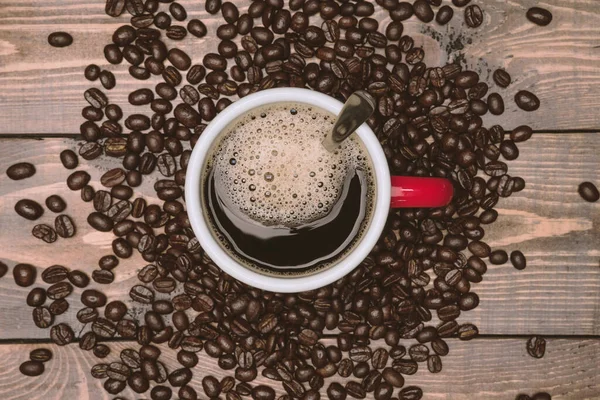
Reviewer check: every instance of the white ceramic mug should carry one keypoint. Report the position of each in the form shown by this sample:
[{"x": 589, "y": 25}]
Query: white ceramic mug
[{"x": 435, "y": 192}]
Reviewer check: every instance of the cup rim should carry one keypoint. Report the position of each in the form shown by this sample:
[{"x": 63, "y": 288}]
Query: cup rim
[{"x": 226, "y": 262}]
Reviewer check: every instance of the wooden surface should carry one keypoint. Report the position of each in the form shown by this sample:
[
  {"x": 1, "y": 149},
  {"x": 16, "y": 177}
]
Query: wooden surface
[
  {"x": 558, "y": 295},
  {"x": 495, "y": 369},
  {"x": 559, "y": 62}
]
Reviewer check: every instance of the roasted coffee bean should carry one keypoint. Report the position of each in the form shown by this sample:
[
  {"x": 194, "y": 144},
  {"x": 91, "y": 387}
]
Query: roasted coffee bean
[
  {"x": 24, "y": 274},
  {"x": 59, "y": 290},
  {"x": 36, "y": 297},
  {"x": 103, "y": 328},
  {"x": 63, "y": 224},
  {"x": 527, "y": 101},
  {"x": 179, "y": 59},
  {"x": 588, "y": 191},
  {"x": 495, "y": 104},
  {"x": 100, "y": 222},
  {"x": 141, "y": 294},
  {"x": 20, "y": 171},
  {"x": 78, "y": 179},
  {"x": 498, "y": 257},
  {"x": 536, "y": 346},
  {"x": 423, "y": 11},
  {"x": 180, "y": 377},
  {"x": 29, "y": 209},
  {"x": 502, "y": 78},
  {"x": 539, "y": 16},
  {"x": 103, "y": 276},
  {"x": 521, "y": 133},
  {"x": 444, "y": 15},
  {"x": 44, "y": 232},
  {"x": 113, "y": 386},
  {"x": 61, "y": 334},
  {"x": 101, "y": 351},
  {"x": 92, "y": 114},
  {"x": 473, "y": 16},
  {"x": 467, "y": 332},
  {"x": 40, "y": 355},
  {"x": 68, "y": 158},
  {"x": 78, "y": 278},
  {"x": 177, "y": 11},
  {"x": 60, "y": 39},
  {"x": 42, "y": 317},
  {"x": 87, "y": 315},
  {"x": 212, "y": 6},
  {"x": 113, "y": 54},
  {"x": 32, "y": 368}
]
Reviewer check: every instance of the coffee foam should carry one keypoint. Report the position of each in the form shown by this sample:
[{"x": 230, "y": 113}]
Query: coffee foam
[{"x": 270, "y": 164}]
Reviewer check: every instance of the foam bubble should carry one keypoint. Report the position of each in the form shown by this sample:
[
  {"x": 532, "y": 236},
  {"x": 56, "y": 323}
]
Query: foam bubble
[{"x": 279, "y": 157}]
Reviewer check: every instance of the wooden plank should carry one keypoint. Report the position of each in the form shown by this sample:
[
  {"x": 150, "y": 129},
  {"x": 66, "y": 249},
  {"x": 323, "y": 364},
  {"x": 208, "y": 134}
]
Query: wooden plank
[
  {"x": 558, "y": 293},
  {"x": 490, "y": 369},
  {"x": 42, "y": 87}
]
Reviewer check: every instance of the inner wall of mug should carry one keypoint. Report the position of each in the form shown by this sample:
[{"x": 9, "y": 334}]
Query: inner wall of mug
[{"x": 204, "y": 232}]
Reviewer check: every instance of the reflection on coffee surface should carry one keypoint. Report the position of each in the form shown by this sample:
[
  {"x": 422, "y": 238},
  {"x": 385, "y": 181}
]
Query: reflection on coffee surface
[{"x": 277, "y": 200}]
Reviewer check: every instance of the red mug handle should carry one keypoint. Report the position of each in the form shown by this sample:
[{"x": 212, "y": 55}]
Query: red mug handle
[{"x": 417, "y": 192}]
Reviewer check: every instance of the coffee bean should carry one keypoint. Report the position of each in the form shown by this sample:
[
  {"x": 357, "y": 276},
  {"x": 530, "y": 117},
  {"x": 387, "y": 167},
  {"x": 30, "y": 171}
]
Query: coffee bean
[
  {"x": 63, "y": 224},
  {"x": 588, "y": 191},
  {"x": 179, "y": 59},
  {"x": 473, "y": 16},
  {"x": 539, "y": 16},
  {"x": 138, "y": 383},
  {"x": 103, "y": 276},
  {"x": 498, "y": 257},
  {"x": 160, "y": 392},
  {"x": 423, "y": 11},
  {"x": 78, "y": 278},
  {"x": 495, "y": 104},
  {"x": 29, "y": 209},
  {"x": 93, "y": 298},
  {"x": 36, "y": 297},
  {"x": 60, "y": 39},
  {"x": 101, "y": 351},
  {"x": 24, "y": 274},
  {"x": 518, "y": 260},
  {"x": 536, "y": 346},
  {"x": 78, "y": 179},
  {"x": 40, "y": 355},
  {"x": 100, "y": 222},
  {"x": 59, "y": 290},
  {"x": 20, "y": 171},
  {"x": 68, "y": 158},
  {"x": 61, "y": 334},
  {"x": 527, "y": 101},
  {"x": 141, "y": 294},
  {"x": 32, "y": 368},
  {"x": 180, "y": 377},
  {"x": 44, "y": 232}
]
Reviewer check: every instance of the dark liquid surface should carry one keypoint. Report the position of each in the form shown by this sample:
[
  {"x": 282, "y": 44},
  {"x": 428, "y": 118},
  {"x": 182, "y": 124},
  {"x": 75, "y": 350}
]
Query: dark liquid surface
[{"x": 293, "y": 250}]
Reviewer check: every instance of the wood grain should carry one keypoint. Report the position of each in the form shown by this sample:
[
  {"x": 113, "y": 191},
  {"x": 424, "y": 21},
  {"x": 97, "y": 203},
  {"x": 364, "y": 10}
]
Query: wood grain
[
  {"x": 494, "y": 369},
  {"x": 42, "y": 87},
  {"x": 558, "y": 293}
]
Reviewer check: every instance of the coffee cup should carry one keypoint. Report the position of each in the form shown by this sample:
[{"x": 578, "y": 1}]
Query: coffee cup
[{"x": 387, "y": 191}]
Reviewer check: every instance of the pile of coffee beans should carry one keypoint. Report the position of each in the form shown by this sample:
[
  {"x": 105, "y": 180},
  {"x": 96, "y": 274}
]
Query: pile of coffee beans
[{"x": 409, "y": 292}]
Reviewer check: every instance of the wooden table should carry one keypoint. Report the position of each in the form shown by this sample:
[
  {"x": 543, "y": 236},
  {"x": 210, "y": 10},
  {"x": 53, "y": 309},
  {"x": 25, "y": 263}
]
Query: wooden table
[{"x": 557, "y": 296}]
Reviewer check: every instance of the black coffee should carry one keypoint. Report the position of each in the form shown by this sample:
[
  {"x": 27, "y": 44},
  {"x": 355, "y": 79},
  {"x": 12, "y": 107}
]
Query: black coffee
[{"x": 277, "y": 200}]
